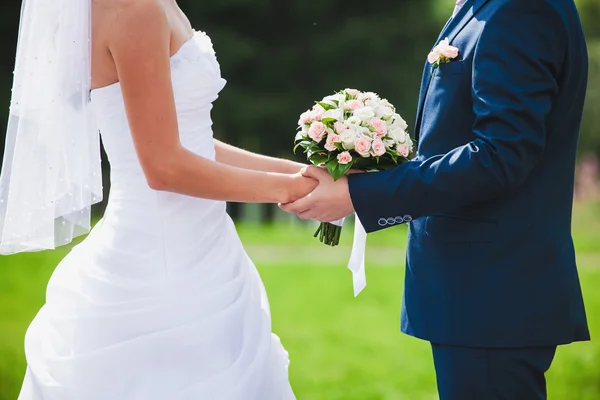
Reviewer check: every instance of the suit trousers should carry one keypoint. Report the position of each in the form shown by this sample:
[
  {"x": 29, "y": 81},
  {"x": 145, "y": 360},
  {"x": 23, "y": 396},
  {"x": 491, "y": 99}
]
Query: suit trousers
[{"x": 466, "y": 373}]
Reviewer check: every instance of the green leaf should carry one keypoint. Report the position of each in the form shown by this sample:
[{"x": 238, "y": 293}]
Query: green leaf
[
  {"x": 315, "y": 147},
  {"x": 319, "y": 158},
  {"x": 303, "y": 143},
  {"x": 328, "y": 121},
  {"x": 331, "y": 166},
  {"x": 338, "y": 170},
  {"x": 342, "y": 170},
  {"x": 326, "y": 106}
]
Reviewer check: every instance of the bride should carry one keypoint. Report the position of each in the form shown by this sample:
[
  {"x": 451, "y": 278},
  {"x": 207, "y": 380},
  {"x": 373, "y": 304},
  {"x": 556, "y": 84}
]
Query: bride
[{"x": 160, "y": 301}]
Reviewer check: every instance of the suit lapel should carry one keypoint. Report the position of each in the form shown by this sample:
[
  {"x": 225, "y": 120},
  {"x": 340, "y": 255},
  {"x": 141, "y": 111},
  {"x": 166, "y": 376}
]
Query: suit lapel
[{"x": 450, "y": 31}]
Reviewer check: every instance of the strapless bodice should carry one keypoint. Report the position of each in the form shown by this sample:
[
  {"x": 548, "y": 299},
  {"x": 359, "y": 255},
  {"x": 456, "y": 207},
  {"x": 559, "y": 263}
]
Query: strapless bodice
[
  {"x": 164, "y": 224},
  {"x": 196, "y": 79}
]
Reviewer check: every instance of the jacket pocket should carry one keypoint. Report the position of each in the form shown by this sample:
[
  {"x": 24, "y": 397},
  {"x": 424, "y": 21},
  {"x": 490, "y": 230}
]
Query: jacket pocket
[{"x": 449, "y": 68}]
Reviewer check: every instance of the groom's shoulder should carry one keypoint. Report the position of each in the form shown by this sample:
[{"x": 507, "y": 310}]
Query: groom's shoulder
[
  {"x": 507, "y": 6},
  {"x": 534, "y": 12}
]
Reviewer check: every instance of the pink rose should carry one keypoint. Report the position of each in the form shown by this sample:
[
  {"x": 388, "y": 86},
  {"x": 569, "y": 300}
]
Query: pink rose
[
  {"x": 450, "y": 52},
  {"x": 305, "y": 118},
  {"x": 339, "y": 127},
  {"x": 378, "y": 148},
  {"x": 344, "y": 158},
  {"x": 433, "y": 56},
  {"x": 403, "y": 149},
  {"x": 443, "y": 52},
  {"x": 353, "y": 105},
  {"x": 317, "y": 112},
  {"x": 317, "y": 131},
  {"x": 362, "y": 145},
  {"x": 332, "y": 138},
  {"x": 380, "y": 126}
]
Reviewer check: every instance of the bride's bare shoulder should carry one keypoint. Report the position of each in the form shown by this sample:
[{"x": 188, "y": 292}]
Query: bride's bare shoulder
[{"x": 132, "y": 13}]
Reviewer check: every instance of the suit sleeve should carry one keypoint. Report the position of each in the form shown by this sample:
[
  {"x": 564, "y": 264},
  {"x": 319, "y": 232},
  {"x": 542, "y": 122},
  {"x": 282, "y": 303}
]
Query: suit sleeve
[{"x": 516, "y": 63}]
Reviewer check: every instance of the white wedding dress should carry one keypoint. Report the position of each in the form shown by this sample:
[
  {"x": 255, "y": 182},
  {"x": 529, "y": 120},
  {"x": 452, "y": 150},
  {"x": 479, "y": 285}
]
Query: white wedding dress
[{"x": 160, "y": 301}]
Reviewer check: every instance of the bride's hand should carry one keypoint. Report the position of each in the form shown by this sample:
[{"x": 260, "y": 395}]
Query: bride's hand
[{"x": 300, "y": 186}]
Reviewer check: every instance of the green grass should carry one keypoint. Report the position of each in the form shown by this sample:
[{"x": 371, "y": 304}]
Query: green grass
[{"x": 340, "y": 347}]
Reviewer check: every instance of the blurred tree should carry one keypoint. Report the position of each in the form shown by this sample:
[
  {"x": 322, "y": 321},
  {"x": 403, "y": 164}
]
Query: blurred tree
[
  {"x": 590, "y": 131},
  {"x": 280, "y": 55}
]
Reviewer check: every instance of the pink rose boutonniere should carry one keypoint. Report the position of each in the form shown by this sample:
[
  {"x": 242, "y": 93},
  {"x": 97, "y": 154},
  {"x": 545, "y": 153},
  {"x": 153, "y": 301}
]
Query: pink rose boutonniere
[{"x": 442, "y": 53}]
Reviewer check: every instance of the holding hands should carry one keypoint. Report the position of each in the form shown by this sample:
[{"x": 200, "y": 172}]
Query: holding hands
[{"x": 329, "y": 201}]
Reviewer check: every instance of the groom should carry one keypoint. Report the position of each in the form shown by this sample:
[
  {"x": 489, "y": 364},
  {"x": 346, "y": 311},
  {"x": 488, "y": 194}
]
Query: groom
[{"x": 491, "y": 279}]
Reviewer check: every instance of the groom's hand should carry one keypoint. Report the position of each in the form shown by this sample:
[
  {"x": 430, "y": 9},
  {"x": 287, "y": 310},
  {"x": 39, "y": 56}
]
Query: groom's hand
[{"x": 330, "y": 201}]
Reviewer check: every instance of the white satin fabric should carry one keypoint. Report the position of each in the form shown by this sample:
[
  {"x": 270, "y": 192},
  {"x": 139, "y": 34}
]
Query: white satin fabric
[{"x": 160, "y": 301}]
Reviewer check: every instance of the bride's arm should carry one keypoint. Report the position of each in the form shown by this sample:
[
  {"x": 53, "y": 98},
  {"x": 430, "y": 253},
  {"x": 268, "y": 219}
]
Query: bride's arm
[
  {"x": 140, "y": 46},
  {"x": 237, "y": 157}
]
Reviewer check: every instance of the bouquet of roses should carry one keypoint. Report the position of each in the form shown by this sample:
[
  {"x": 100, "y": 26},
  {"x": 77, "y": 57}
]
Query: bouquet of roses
[{"x": 352, "y": 130}]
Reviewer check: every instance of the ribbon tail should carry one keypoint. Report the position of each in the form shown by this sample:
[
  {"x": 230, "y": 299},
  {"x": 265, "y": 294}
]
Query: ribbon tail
[
  {"x": 339, "y": 222},
  {"x": 357, "y": 257}
]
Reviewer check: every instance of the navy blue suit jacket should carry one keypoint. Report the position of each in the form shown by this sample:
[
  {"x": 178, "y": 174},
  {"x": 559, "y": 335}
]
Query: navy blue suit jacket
[{"x": 490, "y": 258}]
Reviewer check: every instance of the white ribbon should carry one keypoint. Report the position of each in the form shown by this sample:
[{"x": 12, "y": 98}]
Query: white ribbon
[{"x": 357, "y": 256}]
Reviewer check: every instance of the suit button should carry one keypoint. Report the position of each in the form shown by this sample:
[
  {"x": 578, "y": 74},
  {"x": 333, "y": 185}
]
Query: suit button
[
  {"x": 382, "y": 222},
  {"x": 399, "y": 220},
  {"x": 407, "y": 218},
  {"x": 391, "y": 221}
]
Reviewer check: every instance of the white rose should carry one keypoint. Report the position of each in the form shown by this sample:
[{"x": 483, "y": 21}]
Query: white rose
[
  {"x": 348, "y": 137},
  {"x": 389, "y": 143},
  {"x": 337, "y": 96},
  {"x": 367, "y": 95},
  {"x": 303, "y": 132},
  {"x": 398, "y": 122},
  {"x": 398, "y": 135},
  {"x": 365, "y": 113},
  {"x": 384, "y": 112},
  {"x": 353, "y": 121},
  {"x": 336, "y": 113},
  {"x": 365, "y": 132},
  {"x": 338, "y": 100},
  {"x": 373, "y": 103}
]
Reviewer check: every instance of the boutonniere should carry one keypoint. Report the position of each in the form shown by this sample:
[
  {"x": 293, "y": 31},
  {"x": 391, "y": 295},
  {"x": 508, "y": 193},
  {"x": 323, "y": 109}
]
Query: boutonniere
[{"x": 442, "y": 53}]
